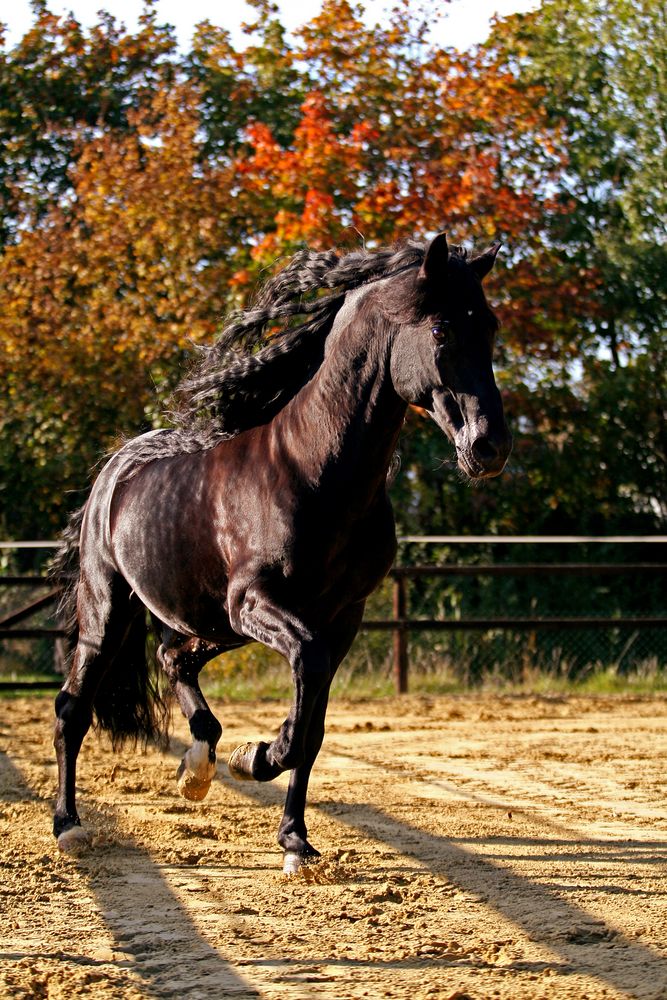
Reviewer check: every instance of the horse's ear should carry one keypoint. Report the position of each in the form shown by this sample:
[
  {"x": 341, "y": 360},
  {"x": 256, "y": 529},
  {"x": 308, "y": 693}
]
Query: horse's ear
[
  {"x": 482, "y": 265},
  {"x": 435, "y": 261}
]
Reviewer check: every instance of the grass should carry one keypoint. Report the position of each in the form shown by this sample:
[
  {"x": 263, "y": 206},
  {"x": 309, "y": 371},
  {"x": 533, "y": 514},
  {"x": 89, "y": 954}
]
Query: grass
[
  {"x": 263, "y": 676},
  {"x": 354, "y": 684}
]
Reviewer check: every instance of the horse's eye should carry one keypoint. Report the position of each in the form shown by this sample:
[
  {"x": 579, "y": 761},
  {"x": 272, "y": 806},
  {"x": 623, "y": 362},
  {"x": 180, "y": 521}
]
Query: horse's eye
[{"x": 442, "y": 331}]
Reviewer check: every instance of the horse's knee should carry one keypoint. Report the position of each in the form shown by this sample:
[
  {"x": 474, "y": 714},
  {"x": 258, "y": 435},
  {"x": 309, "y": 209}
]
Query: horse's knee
[{"x": 312, "y": 664}]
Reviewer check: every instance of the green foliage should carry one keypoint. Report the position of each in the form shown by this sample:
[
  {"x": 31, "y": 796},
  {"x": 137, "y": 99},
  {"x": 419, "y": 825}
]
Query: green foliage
[
  {"x": 603, "y": 67},
  {"x": 261, "y": 83}
]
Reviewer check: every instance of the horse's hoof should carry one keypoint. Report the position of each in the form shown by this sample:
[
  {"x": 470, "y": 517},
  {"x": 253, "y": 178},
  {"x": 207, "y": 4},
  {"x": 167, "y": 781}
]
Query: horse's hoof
[
  {"x": 293, "y": 860},
  {"x": 74, "y": 841},
  {"x": 242, "y": 760},
  {"x": 190, "y": 786},
  {"x": 195, "y": 772}
]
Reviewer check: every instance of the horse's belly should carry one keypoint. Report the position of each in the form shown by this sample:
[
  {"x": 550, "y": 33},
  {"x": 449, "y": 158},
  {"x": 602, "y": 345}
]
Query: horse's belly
[
  {"x": 179, "y": 600},
  {"x": 201, "y": 617},
  {"x": 160, "y": 544}
]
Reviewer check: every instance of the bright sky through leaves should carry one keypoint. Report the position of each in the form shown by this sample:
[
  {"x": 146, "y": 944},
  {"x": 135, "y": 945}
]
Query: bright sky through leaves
[{"x": 467, "y": 21}]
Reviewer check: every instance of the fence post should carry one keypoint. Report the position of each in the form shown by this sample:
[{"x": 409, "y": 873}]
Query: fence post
[{"x": 400, "y": 635}]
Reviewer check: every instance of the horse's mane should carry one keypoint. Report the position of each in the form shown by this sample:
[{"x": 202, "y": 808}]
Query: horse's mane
[
  {"x": 260, "y": 360},
  {"x": 266, "y": 353}
]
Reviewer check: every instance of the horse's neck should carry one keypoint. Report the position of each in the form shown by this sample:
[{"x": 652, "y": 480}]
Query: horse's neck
[{"x": 348, "y": 417}]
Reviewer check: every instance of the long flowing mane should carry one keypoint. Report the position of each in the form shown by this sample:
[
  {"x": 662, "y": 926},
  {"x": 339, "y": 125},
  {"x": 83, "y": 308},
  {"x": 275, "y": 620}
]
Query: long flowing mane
[{"x": 265, "y": 354}]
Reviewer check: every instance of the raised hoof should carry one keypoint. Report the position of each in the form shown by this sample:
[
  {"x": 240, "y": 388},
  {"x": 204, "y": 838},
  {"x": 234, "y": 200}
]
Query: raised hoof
[
  {"x": 74, "y": 841},
  {"x": 196, "y": 772},
  {"x": 293, "y": 860},
  {"x": 190, "y": 785},
  {"x": 242, "y": 760}
]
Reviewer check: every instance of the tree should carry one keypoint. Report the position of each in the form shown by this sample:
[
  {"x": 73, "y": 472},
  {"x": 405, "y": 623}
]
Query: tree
[
  {"x": 102, "y": 300},
  {"x": 261, "y": 83},
  {"x": 145, "y": 192},
  {"x": 61, "y": 86},
  {"x": 602, "y": 65}
]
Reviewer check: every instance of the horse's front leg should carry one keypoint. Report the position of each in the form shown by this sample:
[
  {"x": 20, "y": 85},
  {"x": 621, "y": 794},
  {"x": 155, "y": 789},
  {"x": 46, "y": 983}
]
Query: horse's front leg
[
  {"x": 182, "y": 658},
  {"x": 263, "y": 619},
  {"x": 293, "y": 834}
]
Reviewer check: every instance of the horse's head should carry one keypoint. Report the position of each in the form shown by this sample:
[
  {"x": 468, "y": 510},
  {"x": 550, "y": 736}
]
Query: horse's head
[{"x": 441, "y": 357}]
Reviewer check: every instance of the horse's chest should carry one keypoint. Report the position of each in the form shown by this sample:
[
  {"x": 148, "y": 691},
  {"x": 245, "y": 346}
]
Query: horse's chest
[{"x": 330, "y": 571}]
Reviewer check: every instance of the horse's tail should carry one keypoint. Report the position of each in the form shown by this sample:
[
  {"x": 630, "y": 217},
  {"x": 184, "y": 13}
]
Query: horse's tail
[
  {"x": 64, "y": 571},
  {"x": 129, "y": 702}
]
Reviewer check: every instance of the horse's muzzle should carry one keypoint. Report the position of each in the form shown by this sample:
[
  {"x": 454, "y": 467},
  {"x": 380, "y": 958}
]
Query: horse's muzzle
[{"x": 486, "y": 456}]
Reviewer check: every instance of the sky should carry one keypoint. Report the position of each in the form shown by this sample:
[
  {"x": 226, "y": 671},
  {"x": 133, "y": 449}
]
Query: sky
[{"x": 467, "y": 21}]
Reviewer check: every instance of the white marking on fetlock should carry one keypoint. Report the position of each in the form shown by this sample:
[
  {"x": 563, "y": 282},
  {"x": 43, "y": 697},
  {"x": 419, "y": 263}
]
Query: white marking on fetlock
[
  {"x": 74, "y": 841},
  {"x": 292, "y": 862},
  {"x": 196, "y": 772}
]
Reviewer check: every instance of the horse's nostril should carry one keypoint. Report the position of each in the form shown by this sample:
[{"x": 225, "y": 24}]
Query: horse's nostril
[{"x": 484, "y": 450}]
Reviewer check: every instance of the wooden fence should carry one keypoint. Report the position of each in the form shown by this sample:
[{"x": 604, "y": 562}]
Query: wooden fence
[{"x": 402, "y": 624}]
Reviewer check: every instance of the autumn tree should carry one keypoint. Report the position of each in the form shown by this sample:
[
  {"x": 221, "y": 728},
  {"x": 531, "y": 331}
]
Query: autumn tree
[
  {"x": 102, "y": 301},
  {"x": 145, "y": 191},
  {"x": 60, "y": 87}
]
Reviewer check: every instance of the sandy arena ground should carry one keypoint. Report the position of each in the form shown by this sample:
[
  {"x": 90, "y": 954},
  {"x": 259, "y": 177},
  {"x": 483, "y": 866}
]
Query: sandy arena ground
[{"x": 473, "y": 847}]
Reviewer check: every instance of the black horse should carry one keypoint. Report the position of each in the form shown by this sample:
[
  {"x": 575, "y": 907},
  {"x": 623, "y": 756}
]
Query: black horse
[{"x": 263, "y": 514}]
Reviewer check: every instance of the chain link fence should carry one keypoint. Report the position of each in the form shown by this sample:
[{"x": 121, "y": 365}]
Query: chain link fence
[{"x": 511, "y": 609}]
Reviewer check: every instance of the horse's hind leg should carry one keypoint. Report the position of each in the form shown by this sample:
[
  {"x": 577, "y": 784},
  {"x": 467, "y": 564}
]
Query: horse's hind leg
[
  {"x": 105, "y": 616},
  {"x": 182, "y": 658}
]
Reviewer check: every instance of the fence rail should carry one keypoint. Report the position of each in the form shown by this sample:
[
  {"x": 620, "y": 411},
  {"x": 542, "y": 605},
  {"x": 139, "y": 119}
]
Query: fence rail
[
  {"x": 402, "y": 623},
  {"x": 528, "y": 569}
]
